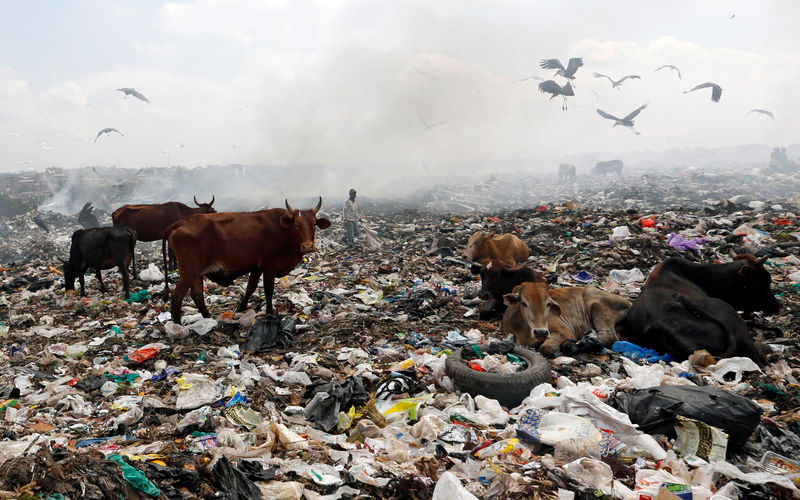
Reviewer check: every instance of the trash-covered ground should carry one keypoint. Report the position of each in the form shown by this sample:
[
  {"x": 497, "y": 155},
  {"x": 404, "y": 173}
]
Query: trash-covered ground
[{"x": 344, "y": 394}]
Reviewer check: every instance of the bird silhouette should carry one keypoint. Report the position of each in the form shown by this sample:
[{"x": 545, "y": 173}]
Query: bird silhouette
[
  {"x": 670, "y": 66},
  {"x": 762, "y": 111},
  {"x": 616, "y": 84},
  {"x": 716, "y": 90},
  {"x": 108, "y": 130},
  {"x": 625, "y": 122},
  {"x": 554, "y": 89},
  {"x": 534, "y": 77},
  {"x": 428, "y": 127},
  {"x": 135, "y": 93},
  {"x": 568, "y": 72}
]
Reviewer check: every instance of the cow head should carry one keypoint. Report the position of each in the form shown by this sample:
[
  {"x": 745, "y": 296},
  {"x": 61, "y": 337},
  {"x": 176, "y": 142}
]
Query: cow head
[
  {"x": 753, "y": 282},
  {"x": 474, "y": 243},
  {"x": 536, "y": 306},
  {"x": 493, "y": 272},
  {"x": 205, "y": 208},
  {"x": 305, "y": 223}
]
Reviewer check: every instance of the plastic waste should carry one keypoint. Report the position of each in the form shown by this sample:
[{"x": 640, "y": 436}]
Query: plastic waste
[
  {"x": 152, "y": 273},
  {"x": 270, "y": 332},
  {"x": 203, "y": 326},
  {"x": 738, "y": 366},
  {"x": 638, "y": 353},
  {"x": 135, "y": 477},
  {"x": 234, "y": 482},
  {"x": 626, "y": 276},
  {"x": 620, "y": 233},
  {"x": 449, "y": 488}
]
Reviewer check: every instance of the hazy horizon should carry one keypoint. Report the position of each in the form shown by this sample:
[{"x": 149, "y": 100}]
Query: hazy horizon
[{"x": 349, "y": 82}]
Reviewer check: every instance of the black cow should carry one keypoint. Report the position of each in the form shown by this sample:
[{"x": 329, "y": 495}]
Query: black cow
[
  {"x": 686, "y": 306},
  {"x": 498, "y": 279},
  {"x": 99, "y": 248},
  {"x": 608, "y": 167}
]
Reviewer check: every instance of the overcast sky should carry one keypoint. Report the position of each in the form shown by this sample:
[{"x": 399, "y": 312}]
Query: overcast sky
[{"x": 342, "y": 82}]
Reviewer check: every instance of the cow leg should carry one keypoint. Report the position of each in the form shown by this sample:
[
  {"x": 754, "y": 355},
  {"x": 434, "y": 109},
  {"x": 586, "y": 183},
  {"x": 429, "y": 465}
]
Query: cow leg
[
  {"x": 269, "y": 288},
  {"x": 82, "y": 281},
  {"x": 252, "y": 283},
  {"x": 123, "y": 268},
  {"x": 177, "y": 298},
  {"x": 197, "y": 297},
  {"x": 99, "y": 276}
]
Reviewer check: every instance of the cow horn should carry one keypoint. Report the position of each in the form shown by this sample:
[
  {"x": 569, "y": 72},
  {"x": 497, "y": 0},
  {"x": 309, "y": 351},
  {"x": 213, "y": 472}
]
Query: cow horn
[
  {"x": 212, "y": 201},
  {"x": 288, "y": 207},
  {"x": 319, "y": 205},
  {"x": 195, "y": 201},
  {"x": 761, "y": 261}
]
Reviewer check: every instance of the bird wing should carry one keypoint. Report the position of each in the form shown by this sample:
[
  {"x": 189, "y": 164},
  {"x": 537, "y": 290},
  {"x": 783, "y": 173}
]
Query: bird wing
[
  {"x": 701, "y": 86},
  {"x": 531, "y": 77},
  {"x": 606, "y": 115},
  {"x": 573, "y": 65},
  {"x": 550, "y": 87},
  {"x": 716, "y": 92},
  {"x": 551, "y": 64},
  {"x": 139, "y": 96},
  {"x": 109, "y": 130},
  {"x": 670, "y": 66},
  {"x": 762, "y": 111},
  {"x": 635, "y": 112},
  {"x": 423, "y": 121},
  {"x": 99, "y": 134},
  {"x": 599, "y": 75},
  {"x": 632, "y": 77}
]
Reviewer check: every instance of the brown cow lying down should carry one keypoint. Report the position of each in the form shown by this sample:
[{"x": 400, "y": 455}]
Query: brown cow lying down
[
  {"x": 544, "y": 319},
  {"x": 505, "y": 247}
]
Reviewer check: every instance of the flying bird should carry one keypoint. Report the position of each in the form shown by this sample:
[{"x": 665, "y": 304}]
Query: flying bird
[
  {"x": 108, "y": 130},
  {"x": 530, "y": 78},
  {"x": 670, "y": 66},
  {"x": 618, "y": 83},
  {"x": 569, "y": 72},
  {"x": 427, "y": 127},
  {"x": 762, "y": 111},
  {"x": 625, "y": 122},
  {"x": 716, "y": 90},
  {"x": 135, "y": 93},
  {"x": 554, "y": 89}
]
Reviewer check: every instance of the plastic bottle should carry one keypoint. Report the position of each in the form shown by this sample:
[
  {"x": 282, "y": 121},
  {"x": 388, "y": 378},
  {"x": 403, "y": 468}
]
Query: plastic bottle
[
  {"x": 99, "y": 360},
  {"x": 504, "y": 446}
]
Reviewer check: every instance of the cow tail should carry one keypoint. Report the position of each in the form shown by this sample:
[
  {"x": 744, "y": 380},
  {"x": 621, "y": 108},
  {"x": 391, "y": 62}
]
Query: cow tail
[
  {"x": 132, "y": 239},
  {"x": 166, "y": 271}
]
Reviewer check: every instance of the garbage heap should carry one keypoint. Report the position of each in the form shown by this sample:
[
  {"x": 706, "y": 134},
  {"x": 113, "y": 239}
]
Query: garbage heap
[{"x": 344, "y": 392}]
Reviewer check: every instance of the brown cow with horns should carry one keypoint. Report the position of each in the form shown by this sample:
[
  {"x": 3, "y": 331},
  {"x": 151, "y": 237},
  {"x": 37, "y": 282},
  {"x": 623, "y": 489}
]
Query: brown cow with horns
[
  {"x": 223, "y": 246},
  {"x": 150, "y": 221}
]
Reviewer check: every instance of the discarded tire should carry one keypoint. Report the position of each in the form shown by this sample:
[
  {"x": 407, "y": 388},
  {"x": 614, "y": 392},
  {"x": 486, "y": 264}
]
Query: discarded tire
[{"x": 507, "y": 388}]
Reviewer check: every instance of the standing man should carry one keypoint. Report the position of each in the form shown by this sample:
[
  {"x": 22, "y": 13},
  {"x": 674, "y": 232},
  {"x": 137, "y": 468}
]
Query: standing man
[{"x": 350, "y": 216}]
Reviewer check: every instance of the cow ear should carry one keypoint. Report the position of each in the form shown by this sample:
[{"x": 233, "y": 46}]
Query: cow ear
[
  {"x": 323, "y": 223},
  {"x": 554, "y": 307},
  {"x": 287, "y": 220},
  {"x": 510, "y": 299},
  {"x": 475, "y": 268}
]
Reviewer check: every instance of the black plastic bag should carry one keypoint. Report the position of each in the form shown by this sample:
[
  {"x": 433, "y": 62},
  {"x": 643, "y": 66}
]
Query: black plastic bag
[
  {"x": 255, "y": 471},
  {"x": 270, "y": 331},
  {"x": 589, "y": 343},
  {"x": 90, "y": 384},
  {"x": 654, "y": 410},
  {"x": 233, "y": 482},
  {"x": 340, "y": 397}
]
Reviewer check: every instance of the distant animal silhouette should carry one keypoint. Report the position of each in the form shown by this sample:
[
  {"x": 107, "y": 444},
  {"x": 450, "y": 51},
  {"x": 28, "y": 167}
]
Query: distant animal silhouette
[
  {"x": 670, "y": 66},
  {"x": 568, "y": 72},
  {"x": 554, "y": 89},
  {"x": 716, "y": 90},
  {"x": 762, "y": 111},
  {"x": 135, "y": 93},
  {"x": 625, "y": 122},
  {"x": 616, "y": 84},
  {"x": 108, "y": 130}
]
